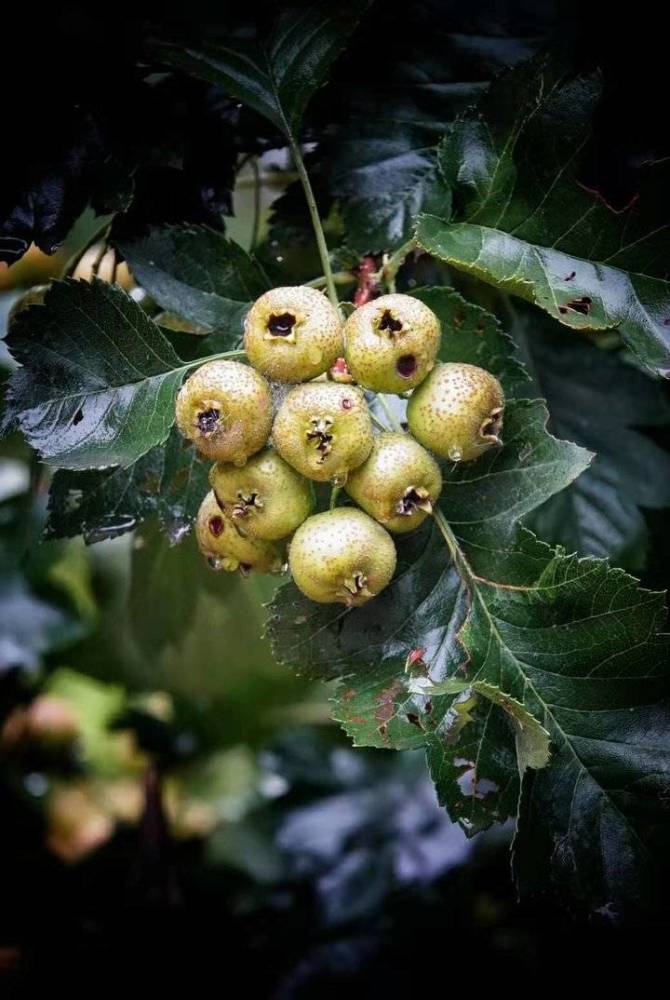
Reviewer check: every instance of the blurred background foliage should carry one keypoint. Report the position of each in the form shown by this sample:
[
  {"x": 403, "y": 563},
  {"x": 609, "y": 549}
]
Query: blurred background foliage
[{"x": 168, "y": 794}]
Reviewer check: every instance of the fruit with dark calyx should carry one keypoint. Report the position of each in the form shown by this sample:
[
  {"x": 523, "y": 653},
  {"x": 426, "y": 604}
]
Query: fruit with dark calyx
[
  {"x": 293, "y": 334},
  {"x": 226, "y": 549},
  {"x": 457, "y": 412},
  {"x": 225, "y": 408},
  {"x": 342, "y": 557},
  {"x": 398, "y": 484},
  {"x": 390, "y": 343},
  {"x": 324, "y": 430},
  {"x": 266, "y": 498}
]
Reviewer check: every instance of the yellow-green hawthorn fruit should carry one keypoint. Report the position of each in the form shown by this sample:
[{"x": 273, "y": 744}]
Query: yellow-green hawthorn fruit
[
  {"x": 323, "y": 430},
  {"x": 341, "y": 557},
  {"x": 390, "y": 343},
  {"x": 225, "y": 548},
  {"x": 266, "y": 498},
  {"x": 293, "y": 334},
  {"x": 457, "y": 412},
  {"x": 398, "y": 484},
  {"x": 225, "y": 408}
]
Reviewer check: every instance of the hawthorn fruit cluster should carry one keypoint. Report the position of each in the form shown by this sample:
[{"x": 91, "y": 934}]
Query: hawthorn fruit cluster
[{"x": 298, "y": 413}]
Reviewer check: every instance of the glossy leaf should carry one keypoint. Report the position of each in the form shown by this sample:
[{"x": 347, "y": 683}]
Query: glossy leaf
[
  {"x": 97, "y": 381},
  {"x": 425, "y": 608},
  {"x": 278, "y": 75},
  {"x": 603, "y": 402},
  {"x": 169, "y": 481},
  {"x": 516, "y": 216},
  {"x": 382, "y": 161},
  {"x": 197, "y": 274},
  {"x": 484, "y": 628}
]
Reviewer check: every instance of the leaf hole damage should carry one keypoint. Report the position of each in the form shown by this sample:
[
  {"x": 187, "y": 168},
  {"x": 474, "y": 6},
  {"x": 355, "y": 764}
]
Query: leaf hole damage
[
  {"x": 581, "y": 306},
  {"x": 208, "y": 421},
  {"x": 571, "y": 276},
  {"x": 78, "y": 417},
  {"x": 281, "y": 325},
  {"x": 413, "y": 718},
  {"x": 474, "y": 787},
  {"x": 389, "y": 324},
  {"x": 406, "y": 365}
]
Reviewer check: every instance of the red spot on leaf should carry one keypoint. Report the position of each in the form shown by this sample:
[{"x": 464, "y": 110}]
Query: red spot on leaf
[{"x": 416, "y": 654}]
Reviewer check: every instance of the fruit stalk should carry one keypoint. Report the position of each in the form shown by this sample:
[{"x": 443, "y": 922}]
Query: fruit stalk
[{"x": 316, "y": 222}]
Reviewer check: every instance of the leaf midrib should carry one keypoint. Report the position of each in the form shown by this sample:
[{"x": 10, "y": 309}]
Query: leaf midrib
[
  {"x": 565, "y": 737},
  {"x": 538, "y": 248}
]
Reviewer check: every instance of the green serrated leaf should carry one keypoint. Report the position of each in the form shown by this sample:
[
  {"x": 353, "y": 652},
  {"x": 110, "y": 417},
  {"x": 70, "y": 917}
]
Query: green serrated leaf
[
  {"x": 532, "y": 739},
  {"x": 97, "y": 381},
  {"x": 277, "y": 75},
  {"x": 382, "y": 160},
  {"x": 522, "y": 221},
  {"x": 198, "y": 274},
  {"x": 600, "y": 400},
  {"x": 482, "y": 617},
  {"x": 169, "y": 482},
  {"x": 426, "y": 605}
]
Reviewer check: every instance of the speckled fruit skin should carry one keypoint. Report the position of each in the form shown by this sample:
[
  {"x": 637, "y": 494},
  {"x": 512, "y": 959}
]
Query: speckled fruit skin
[
  {"x": 224, "y": 547},
  {"x": 342, "y": 557},
  {"x": 398, "y": 484},
  {"x": 457, "y": 412},
  {"x": 293, "y": 334},
  {"x": 266, "y": 498},
  {"x": 323, "y": 430},
  {"x": 241, "y": 398},
  {"x": 382, "y": 337}
]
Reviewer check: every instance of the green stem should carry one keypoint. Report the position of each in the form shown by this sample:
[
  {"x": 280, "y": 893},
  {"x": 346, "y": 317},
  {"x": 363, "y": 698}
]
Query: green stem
[
  {"x": 390, "y": 416},
  {"x": 395, "y": 262},
  {"x": 256, "y": 228},
  {"x": 334, "y": 493},
  {"x": 339, "y": 277},
  {"x": 316, "y": 222},
  {"x": 452, "y": 544}
]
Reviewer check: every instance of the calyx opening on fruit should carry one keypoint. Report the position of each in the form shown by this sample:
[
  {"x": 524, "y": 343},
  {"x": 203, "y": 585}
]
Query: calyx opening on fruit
[
  {"x": 281, "y": 324},
  {"x": 406, "y": 365},
  {"x": 389, "y": 324},
  {"x": 208, "y": 421},
  {"x": 246, "y": 504},
  {"x": 319, "y": 434},
  {"x": 414, "y": 498},
  {"x": 356, "y": 586},
  {"x": 492, "y": 426}
]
